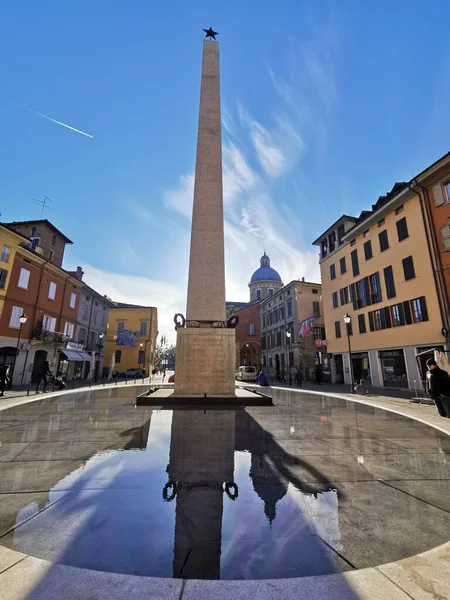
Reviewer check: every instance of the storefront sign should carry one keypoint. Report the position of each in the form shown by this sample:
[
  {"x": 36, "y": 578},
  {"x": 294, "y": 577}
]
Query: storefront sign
[
  {"x": 390, "y": 353},
  {"x": 361, "y": 355},
  {"x": 74, "y": 346}
]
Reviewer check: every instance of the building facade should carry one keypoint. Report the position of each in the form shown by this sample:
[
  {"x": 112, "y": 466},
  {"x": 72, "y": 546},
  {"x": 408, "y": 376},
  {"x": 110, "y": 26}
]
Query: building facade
[
  {"x": 378, "y": 270},
  {"x": 265, "y": 281},
  {"x": 248, "y": 336},
  {"x": 132, "y": 332},
  {"x": 292, "y": 329}
]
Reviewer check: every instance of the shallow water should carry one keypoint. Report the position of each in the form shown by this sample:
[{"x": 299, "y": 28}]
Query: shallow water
[{"x": 313, "y": 485}]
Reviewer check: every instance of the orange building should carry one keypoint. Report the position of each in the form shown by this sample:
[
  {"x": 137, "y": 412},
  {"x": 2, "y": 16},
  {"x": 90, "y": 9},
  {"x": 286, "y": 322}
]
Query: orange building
[{"x": 248, "y": 336}]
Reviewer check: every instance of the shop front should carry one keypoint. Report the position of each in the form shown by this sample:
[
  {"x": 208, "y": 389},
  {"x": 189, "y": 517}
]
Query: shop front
[
  {"x": 71, "y": 361},
  {"x": 393, "y": 368},
  {"x": 361, "y": 367}
]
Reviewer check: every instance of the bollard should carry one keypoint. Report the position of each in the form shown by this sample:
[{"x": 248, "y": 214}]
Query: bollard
[
  {"x": 135, "y": 380},
  {"x": 126, "y": 380}
]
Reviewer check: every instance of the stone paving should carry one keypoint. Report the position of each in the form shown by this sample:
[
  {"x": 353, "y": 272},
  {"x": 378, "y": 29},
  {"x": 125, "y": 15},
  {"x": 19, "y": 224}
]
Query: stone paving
[{"x": 44, "y": 447}]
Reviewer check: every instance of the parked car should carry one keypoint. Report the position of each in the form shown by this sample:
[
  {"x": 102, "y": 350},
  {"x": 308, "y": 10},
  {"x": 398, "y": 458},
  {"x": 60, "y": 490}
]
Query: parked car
[
  {"x": 133, "y": 374},
  {"x": 247, "y": 374}
]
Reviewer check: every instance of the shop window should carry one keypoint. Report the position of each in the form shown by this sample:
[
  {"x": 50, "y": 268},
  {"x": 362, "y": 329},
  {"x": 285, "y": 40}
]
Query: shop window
[
  {"x": 393, "y": 368},
  {"x": 384, "y": 240},
  {"x": 337, "y": 328},
  {"x": 335, "y": 299},
  {"x": 389, "y": 281},
  {"x": 333, "y": 271},
  {"x": 118, "y": 356},
  {"x": 343, "y": 265},
  {"x": 368, "y": 254},
  {"x": 408, "y": 268},
  {"x": 402, "y": 229},
  {"x": 362, "y": 323},
  {"x": 355, "y": 263}
]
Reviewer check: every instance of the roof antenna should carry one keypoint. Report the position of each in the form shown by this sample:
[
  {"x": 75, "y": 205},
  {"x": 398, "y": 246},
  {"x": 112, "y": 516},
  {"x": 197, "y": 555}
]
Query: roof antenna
[{"x": 43, "y": 203}]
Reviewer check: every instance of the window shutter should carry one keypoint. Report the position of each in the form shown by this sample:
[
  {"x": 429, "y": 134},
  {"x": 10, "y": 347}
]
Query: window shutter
[
  {"x": 445, "y": 234},
  {"x": 371, "y": 324},
  {"x": 423, "y": 307},
  {"x": 438, "y": 195},
  {"x": 407, "y": 309},
  {"x": 387, "y": 316}
]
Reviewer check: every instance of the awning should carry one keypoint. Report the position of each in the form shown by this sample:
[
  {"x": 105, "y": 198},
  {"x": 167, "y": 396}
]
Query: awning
[
  {"x": 72, "y": 355},
  {"x": 84, "y": 355}
]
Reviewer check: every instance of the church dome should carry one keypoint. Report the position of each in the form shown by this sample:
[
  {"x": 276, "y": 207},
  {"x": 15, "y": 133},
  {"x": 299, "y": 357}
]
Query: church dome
[{"x": 265, "y": 271}]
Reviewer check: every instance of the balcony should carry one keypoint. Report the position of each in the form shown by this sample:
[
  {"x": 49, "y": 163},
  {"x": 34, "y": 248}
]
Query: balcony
[{"x": 48, "y": 337}]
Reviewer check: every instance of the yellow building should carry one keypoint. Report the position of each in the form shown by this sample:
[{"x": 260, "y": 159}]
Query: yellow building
[
  {"x": 131, "y": 337},
  {"x": 9, "y": 242},
  {"x": 377, "y": 269}
]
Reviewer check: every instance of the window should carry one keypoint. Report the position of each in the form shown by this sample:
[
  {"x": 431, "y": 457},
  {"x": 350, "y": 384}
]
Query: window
[
  {"x": 81, "y": 335},
  {"x": 397, "y": 315},
  {"x": 279, "y": 342},
  {"x": 402, "y": 229},
  {"x": 333, "y": 271},
  {"x": 281, "y": 309},
  {"x": 51, "y": 290},
  {"x": 445, "y": 234},
  {"x": 141, "y": 357},
  {"x": 143, "y": 328},
  {"x": 316, "y": 308},
  {"x": 319, "y": 333},
  {"x": 345, "y": 295},
  {"x": 35, "y": 243},
  {"x": 6, "y": 250},
  {"x": 368, "y": 254},
  {"x": 400, "y": 209},
  {"x": 315, "y": 291},
  {"x": 258, "y": 294},
  {"x": 324, "y": 247},
  {"x": 51, "y": 254},
  {"x": 104, "y": 317},
  {"x": 54, "y": 240},
  {"x": 3, "y": 277},
  {"x": 270, "y": 291},
  {"x": 381, "y": 223},
  {"x": 120, "y": 325},
  {"x": 118, "y": 356},
  {"x": 73, "y": 300},
  {"x": 85, "y": 312},
  {"x": 251, "y": 329},
  {"x": 389, "y": 281},
  {"x": 24, "y": 278},
  {"x": 48, "y": 323},
  {"x": 419, "y": 310},
  {"x": 355, "y": 263},
  {"x": 378, "y": 319},
  {"x": 337, "y": 328},
  {"x": 269, "y": 318},
  {"x": 343, "y": 265},
  {"x": 335, "y": 300},
  {"x": 33, "y": 232},
  {"x": 408, "y": 268},
  {"x": 447, "y": 191},
  {"x": 289, "y": 307},
  {"x": 94, "y": 316},
  {"x": 384, "y": 241},
  {"x": 362, "y": 323},
  {"x": 68, "y": 330},
  {"x": 332, "y": 241},
  {"x": 16, "y": 313},
  {"x": 375, "y": 288},
  {"x": 264, "y": 321}
]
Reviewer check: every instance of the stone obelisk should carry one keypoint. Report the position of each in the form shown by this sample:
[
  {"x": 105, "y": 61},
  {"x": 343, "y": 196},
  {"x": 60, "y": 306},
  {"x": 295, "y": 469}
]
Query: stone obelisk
[{"x": 205, "y": 348}]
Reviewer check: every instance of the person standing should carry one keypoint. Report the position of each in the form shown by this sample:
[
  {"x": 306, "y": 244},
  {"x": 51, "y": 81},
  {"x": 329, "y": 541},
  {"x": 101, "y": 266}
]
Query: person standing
[
  {"x": 44, "y": 375},
  {"x": 283, "y": 375},
  {"x": 438, "y": 385},
  {"x": 318, "y": 375},
  {"x": 3, "y": 379},
  {"x": 298, "y": 377}
]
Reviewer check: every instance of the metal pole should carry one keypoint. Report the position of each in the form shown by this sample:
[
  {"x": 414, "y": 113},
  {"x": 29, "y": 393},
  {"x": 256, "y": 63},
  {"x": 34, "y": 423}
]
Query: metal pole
[
  {"x": 17, "y": 351},
  {"x": 352, "y": 383},
  {"x": 289, "y": 361}
]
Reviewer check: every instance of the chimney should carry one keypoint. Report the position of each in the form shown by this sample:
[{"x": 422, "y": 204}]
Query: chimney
[
  {"x": 79, "y": 274},
  {"x": 303, "y": 279}
]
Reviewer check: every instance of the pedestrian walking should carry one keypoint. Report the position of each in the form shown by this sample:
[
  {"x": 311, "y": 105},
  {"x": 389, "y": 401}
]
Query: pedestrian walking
[
  {"x": 438, "y": 386},
  {"x": 319, "y": 375},
  {"x": 283, "y": 376},
  {"x": 43, "y": 376},
  {"x": 3, "y": 379},
  {"x": 298, "y": 377},
  {"x": 262, "y": 379}
]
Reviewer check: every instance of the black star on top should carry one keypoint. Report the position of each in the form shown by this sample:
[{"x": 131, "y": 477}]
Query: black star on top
[{"x": 210, "y": 33}]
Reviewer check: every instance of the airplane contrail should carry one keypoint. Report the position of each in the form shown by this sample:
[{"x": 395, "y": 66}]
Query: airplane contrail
[{"x": 54, "y": 120}]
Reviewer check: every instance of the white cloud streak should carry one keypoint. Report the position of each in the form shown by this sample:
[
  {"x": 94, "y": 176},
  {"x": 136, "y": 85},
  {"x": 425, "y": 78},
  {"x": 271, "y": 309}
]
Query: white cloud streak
[{"x": 35, "y": 112}]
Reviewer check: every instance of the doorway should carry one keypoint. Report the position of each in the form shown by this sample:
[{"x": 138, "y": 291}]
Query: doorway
[{"x": 38, "y": 365}]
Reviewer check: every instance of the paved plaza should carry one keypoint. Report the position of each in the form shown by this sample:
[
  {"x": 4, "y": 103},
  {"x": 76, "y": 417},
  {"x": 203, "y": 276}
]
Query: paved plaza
[{"x": 305, "y": 499}]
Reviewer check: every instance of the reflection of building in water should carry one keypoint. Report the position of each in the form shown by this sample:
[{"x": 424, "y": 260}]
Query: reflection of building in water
[{"x": 201, "y": 465}]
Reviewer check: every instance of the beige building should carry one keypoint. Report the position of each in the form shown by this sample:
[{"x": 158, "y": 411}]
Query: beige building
[
  {"x": 377, "y": 268},
  {"x": 284, "y": 313}
]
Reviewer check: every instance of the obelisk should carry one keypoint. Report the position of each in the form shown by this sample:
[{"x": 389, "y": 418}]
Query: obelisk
[{"x": 205, "y": 347}]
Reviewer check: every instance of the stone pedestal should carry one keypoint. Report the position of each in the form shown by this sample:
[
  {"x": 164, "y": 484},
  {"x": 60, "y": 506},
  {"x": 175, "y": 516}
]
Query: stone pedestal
[{"x": 205, "y": 362}]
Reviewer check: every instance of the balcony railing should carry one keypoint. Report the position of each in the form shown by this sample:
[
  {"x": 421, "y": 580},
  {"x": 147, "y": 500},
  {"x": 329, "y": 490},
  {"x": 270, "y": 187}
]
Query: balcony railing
[{"x": 49, "y": 337}]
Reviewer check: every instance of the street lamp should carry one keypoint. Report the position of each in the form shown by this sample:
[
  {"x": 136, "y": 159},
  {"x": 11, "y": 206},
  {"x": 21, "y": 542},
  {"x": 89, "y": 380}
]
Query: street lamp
[
  {"x": 347, "y": 321},
  {"x": 22, "y": 320},
  {"x": 288, "y": 335},
  {"x": 99, "y": 349},
  {"x": 141, "y": 345}
]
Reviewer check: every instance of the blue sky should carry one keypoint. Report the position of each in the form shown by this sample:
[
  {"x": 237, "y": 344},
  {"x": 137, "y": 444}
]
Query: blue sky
[{"x": 325, "y": 105}]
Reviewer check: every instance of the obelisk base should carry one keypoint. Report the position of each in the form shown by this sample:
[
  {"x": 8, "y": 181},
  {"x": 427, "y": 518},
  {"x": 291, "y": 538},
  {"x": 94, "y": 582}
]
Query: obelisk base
[{"x": 205, "y": 362}]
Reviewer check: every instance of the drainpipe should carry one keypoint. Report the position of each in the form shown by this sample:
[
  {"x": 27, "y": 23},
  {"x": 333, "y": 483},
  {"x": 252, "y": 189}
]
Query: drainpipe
[{"x": 433, "y": 250}]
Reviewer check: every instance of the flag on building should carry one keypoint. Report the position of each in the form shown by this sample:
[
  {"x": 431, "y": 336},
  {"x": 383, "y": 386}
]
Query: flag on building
[{"x": 306, "y": 327}]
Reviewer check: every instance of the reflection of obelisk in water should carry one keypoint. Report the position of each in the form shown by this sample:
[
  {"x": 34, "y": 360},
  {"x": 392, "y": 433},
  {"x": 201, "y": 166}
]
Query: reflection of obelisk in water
[
  {"x": 205, "y": 348},
  {"x": 201, "y": 462}
]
